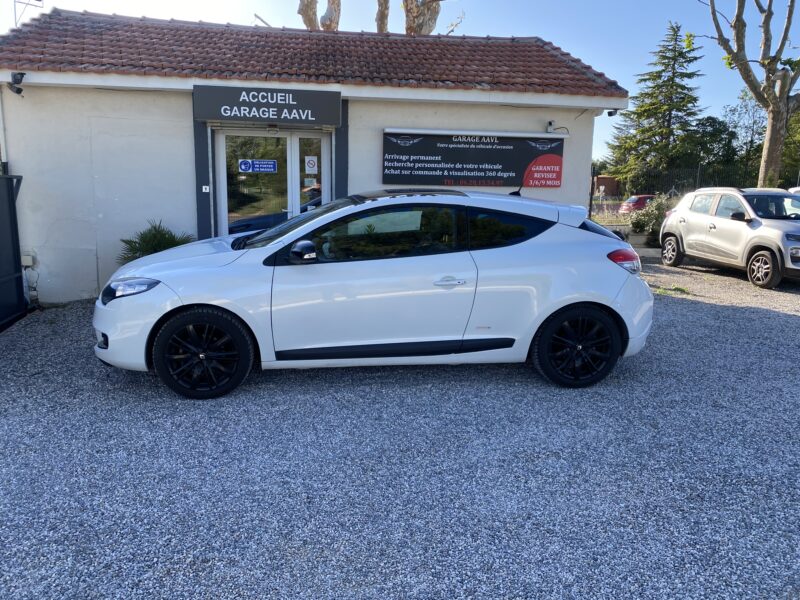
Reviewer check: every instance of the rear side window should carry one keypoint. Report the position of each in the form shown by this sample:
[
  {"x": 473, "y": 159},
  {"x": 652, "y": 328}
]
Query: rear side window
[
  {"x": 495, "y": 229},
  {"x": 702, "y": 203},
  {"x": 589, "y": 225}
]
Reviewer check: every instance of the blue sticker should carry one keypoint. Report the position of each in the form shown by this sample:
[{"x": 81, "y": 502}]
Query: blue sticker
[{"x": 258, "y": 166}]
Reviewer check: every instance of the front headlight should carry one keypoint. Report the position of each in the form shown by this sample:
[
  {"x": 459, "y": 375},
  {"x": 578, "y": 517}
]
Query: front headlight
[
  {"x": 126, "y": 287},
  {"x": 793, "y": 237}
]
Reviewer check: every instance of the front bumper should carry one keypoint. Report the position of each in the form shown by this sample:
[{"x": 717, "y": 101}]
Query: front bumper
[{"x": 123, "y": 325}]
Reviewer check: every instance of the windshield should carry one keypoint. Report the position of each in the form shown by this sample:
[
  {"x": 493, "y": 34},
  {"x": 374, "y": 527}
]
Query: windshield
[
  {"x": 775, "y": 206},
  {"x": 263, "y": 238}
]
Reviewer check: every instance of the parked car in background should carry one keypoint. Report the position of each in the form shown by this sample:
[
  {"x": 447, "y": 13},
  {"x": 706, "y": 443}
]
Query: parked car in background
[
  {"x": 756, "y": 229},
  {"x": 389, "y": 278},
  {"x": 635, "y": 203}
]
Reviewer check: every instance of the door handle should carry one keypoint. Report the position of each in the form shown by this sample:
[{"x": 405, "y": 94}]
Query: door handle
[
  {"x": 681, "y": 220},
  {"x": 449, "y": 281},
  {"x": 712, "y": 226}
]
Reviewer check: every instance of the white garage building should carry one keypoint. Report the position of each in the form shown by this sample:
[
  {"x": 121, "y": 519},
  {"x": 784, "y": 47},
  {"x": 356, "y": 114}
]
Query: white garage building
[{"x": 206, "y": 127}]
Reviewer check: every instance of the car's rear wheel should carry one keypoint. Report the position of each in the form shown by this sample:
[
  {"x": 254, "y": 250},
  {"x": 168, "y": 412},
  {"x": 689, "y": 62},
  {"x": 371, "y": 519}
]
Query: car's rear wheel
[
  {"x": 671, "y": 254},
  {"x": 763, "y": 270},
  {"x": 577, "y": 346},
  {"x": 203, "y": 353}
]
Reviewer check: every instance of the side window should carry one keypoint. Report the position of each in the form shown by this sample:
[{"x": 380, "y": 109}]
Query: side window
[
  {"x": 727, "y": 206},
  {"x": 702, "y": 203},
  {"x": 494, "y": 229},
  {"x": 392, "y": 232}
]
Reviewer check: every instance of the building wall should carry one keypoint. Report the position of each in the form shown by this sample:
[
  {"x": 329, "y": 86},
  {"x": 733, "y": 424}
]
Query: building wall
[
  {"x": 368, "y": 119},
  {"x": 96, "y": 165}
]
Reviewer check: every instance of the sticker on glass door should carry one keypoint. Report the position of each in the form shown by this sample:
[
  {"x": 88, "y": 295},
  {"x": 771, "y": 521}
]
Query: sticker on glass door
[{"x": 256, "y": 182}]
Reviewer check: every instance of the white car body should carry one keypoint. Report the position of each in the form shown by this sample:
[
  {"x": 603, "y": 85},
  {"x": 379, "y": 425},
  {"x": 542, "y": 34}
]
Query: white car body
[{"x": 293, "y": 311}]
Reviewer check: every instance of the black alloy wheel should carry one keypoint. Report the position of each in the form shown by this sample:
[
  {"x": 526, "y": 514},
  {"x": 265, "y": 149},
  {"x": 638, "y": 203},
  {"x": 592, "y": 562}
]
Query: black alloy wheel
[
  {"x": 577, "y": 346},
  {"x": 671, "y": 254},
  {"x": 203, "y": 353}
]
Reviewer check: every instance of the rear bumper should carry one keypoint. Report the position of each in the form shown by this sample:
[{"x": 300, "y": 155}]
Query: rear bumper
[
  {"x": 126, "y": 323},
  {"x": 634, "y": 304}
]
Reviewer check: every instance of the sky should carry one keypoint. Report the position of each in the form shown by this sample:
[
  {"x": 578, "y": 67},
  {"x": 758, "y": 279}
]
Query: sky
[{"x": 613, "y": 36}]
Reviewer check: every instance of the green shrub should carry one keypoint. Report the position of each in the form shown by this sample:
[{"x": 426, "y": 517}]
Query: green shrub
[
  {"x": 154, "y": 239},
  {"x": 650, "y": 218}
]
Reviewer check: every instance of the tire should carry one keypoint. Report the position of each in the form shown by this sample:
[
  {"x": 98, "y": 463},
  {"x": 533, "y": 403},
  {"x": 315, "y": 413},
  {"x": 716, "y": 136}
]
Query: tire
[
  {"x": 671, "y": 254},
  {"x": 203, "y": 353},
  {"x": 577, "y": 346},
  {"x": 763, "y": 270}
]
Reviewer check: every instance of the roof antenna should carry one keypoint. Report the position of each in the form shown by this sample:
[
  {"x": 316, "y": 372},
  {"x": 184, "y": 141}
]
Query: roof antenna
[
  {"x": 262, "y": 20},
  {"x": 519, "y": 189}
]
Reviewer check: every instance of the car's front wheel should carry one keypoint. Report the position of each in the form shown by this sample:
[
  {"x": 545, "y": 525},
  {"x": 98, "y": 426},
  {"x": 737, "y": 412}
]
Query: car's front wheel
[
  {"x": 203, "y": 352},
  {"x": 763, "y": 270},
  {"x": 577, "y": 346},
  {"x": 671, "y": 254}
]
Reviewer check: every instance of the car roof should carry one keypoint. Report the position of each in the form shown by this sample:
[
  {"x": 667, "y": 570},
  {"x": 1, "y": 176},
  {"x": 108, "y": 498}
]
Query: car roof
[{"x": 544, "y": 209}]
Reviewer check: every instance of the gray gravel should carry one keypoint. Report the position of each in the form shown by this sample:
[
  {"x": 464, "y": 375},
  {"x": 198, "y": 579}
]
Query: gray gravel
[{"x": 679, "y": 476}]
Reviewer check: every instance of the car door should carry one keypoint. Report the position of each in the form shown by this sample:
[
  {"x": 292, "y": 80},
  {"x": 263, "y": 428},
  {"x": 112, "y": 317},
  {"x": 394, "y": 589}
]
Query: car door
[
  {"x": 726, "y": 238},
  {"x": 391, "y": 281},
  {"x": 694, "y": 224}
]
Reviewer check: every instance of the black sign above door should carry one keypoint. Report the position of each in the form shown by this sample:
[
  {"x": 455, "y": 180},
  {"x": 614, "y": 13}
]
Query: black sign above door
[
  {"x": 266, "y": 105},
  {"x": 472, "y": 159}
]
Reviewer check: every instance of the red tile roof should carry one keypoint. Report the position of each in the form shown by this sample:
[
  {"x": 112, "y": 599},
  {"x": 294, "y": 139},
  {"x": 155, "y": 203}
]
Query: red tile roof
[{"x": 93, "y": 43}]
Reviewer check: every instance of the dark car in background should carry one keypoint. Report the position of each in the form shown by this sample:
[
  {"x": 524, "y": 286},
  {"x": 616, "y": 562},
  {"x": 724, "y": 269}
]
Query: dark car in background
[{"x": 635, "y": 203}]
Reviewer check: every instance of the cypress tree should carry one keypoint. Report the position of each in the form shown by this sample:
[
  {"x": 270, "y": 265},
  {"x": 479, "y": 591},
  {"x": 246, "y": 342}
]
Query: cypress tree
[{"x": 653, "y": 133}]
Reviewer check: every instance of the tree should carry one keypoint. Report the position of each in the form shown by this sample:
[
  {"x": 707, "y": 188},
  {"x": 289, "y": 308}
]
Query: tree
[
  {"x": 710, "y": 142},
  {"x": 748, "y": 120},
  {"x": 653, "y": 134},
  {"x": 773, "y": 89},
  {"x": 329, "y": 21},
  {"x": 421, "y": 16},
  {"x": 791, "y": 153}
]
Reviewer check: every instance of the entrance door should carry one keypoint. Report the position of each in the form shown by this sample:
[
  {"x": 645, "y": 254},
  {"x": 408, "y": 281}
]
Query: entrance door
[{"x": 265, "y": 178}]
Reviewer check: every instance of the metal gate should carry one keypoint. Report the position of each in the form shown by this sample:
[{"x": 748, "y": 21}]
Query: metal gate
[{"x": 12, "y": 294}]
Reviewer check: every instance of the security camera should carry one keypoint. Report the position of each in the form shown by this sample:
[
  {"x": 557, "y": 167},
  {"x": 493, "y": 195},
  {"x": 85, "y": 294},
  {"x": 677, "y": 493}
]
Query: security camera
[
  {"x": 14, "y": 88},
  {"x": 612, "y": 113},
  {"x": 17, "y": 77}
]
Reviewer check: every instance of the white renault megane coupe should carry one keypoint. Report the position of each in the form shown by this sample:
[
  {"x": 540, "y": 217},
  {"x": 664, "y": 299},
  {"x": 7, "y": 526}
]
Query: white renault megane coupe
[{"x": 397, "y": 277}]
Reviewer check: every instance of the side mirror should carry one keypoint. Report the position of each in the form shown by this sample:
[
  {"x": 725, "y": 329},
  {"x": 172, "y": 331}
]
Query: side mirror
[
  {"x": 740, "y": 216},
  {"x": 303, "y": 252}
]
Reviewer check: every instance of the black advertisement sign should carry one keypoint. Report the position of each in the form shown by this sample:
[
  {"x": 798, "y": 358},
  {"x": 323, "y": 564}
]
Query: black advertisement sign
[
  {"x": 266, "y": 105},
  {"x": 472, "y": 160}
]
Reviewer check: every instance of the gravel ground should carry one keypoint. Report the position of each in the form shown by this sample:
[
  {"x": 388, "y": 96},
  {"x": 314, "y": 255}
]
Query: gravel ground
[{"x": 678, "y": 476}]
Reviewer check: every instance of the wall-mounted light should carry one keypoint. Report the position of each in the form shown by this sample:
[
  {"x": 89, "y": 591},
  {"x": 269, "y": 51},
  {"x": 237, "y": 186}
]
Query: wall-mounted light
[{"x": 612, "y": 113}]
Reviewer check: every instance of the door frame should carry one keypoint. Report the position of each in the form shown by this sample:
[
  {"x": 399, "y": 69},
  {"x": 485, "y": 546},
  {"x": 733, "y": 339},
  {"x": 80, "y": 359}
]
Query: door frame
[{"x": 293, "y": 168}]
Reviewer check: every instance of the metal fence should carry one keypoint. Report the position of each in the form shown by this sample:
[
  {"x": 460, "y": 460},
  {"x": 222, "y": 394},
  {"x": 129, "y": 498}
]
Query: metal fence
[
  {"x": 676, "y": 182},
  {"x": 12, "y": 294}
]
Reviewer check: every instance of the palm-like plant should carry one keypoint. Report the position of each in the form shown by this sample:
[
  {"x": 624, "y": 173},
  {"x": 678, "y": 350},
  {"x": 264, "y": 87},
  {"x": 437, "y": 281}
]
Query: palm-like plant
[{"x": 155, "y": 238}]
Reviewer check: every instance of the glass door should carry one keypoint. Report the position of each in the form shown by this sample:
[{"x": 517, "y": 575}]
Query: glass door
[{"x": 263, "y": 179}]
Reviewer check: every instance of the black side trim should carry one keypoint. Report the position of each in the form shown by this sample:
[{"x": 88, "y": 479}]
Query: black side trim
[{"x": 394, "y": 350}]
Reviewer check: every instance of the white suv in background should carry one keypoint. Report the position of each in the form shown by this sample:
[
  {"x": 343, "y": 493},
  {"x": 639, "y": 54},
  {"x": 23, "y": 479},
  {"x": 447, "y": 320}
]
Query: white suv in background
[
  {"x": 757, "y": 229},
  {"x": 391, "y": 278}
]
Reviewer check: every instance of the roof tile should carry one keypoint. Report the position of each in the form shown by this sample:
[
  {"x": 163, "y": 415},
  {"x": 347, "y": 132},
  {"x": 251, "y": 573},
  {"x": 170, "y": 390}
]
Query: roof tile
[{"x": 87, "y": 42}]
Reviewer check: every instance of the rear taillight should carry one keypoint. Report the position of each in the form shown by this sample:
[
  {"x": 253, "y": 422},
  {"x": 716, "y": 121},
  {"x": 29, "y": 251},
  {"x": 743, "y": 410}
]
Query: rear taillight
[{"x": 627, "y": 259}]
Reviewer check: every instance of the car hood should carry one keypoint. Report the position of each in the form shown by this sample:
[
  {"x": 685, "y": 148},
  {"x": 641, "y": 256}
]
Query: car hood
[
  {"x": 214, "y": 252},
  {"x": 782, "y": 225}
]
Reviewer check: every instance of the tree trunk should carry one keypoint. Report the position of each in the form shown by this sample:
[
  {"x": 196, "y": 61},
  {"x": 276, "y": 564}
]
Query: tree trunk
[
  {"x": 421, "y": 16},
  {"x": 330, "y": 20},
  {"x": 777, "y": 122},
  {"x": 382, "y": 16},
  {"x": 308, "y": 11}
]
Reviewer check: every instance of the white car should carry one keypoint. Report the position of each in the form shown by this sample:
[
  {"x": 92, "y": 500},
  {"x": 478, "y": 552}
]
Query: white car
[{"x": 397, "y": 277}]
